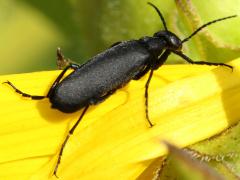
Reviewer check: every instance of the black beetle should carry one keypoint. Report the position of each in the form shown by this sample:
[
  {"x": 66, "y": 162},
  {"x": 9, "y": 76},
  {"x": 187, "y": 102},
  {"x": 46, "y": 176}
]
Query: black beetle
[{"x": 98, "y": 78}]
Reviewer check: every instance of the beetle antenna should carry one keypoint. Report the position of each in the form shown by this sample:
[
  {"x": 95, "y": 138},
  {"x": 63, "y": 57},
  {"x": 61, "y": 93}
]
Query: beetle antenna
[
  {"x": 160, "y": 14},
  {"x": 207, "y": 24}
]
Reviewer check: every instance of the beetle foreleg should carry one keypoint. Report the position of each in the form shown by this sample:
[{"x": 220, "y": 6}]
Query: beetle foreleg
[{"x": 201, "y": 62}]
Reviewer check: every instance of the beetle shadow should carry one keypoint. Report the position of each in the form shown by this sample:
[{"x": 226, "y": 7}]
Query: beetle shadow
[
  {"x": 53, "y": 115},
  {"x": 48, "y": 113}
]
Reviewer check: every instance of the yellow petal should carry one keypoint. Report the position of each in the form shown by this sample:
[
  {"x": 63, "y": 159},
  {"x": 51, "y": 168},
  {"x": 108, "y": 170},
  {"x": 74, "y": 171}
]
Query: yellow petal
[{"x": 187, "y": 104}]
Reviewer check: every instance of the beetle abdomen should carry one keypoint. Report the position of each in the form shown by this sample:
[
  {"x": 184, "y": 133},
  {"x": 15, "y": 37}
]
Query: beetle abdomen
[{"x": 103, "y": 73}]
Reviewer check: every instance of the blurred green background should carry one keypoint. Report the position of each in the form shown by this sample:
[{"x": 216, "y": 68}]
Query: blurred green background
[{"x": 31, "y": 30}]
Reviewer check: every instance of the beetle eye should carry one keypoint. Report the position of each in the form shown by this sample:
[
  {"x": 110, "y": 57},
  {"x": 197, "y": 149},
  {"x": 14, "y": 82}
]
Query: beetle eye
[{"x": 175, "y": 43}]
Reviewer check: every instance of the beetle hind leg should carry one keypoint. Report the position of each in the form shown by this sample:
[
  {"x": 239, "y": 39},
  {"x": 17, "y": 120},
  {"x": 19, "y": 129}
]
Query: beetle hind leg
[
  {"x": 34, "y": 97},
  {"x": 70, "y": 133},
  {"x": 55, "y": 83}
]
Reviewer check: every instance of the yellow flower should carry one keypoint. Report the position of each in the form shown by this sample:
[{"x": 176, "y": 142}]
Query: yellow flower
[{"x": 187, "y": 103}]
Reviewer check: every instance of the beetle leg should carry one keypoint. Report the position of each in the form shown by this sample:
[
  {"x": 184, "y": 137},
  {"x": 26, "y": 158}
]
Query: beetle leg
[
  {"x": 146, "y": 96},
  {"x": 201, "y": 62},
  {"x": 34, "y": 97},
  {"x": 155, "y": 66},
  {"x": 71, "y": 66},
  {"x": 161, "y": 59},
  {"x": 66, "y": 140},
  {"x": 37, "y": 97}
]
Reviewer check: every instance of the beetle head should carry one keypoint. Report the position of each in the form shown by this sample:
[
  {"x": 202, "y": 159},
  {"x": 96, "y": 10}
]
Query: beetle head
[{"x": 173, "y": 42}]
